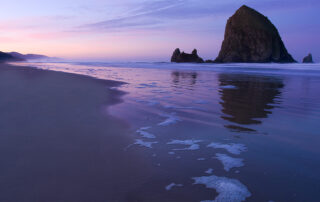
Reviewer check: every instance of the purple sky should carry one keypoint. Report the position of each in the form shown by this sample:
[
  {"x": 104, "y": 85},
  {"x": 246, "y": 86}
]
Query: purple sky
[{"x": 145, "y": 30}]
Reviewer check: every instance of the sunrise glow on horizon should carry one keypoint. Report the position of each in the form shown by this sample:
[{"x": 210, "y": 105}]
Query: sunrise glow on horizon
[{"x": 145, "y": 30}]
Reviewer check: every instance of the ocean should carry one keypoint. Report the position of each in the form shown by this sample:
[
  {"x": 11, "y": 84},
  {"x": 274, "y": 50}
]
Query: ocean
[{"x": 223, "y": 132}]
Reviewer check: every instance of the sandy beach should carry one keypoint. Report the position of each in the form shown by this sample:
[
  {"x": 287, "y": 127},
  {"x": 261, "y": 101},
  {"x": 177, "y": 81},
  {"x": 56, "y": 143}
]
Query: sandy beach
[
  {"x": 159, "y": 132},
  {"x": 57, "y": 143},
  {"x": 159, "y": 101}
]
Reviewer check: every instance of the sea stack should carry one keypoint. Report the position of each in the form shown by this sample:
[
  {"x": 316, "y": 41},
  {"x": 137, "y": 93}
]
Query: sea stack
[
  {"x": 179, "y": 57},
  {"x": 250, "y": 37},
  {"x": 308, "y": 59}
]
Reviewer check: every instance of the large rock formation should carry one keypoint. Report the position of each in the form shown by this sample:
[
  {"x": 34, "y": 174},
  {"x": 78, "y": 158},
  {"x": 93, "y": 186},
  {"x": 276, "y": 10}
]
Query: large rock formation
[
  {"x": 308, "y": 59},
  {"x": 179, "y": 57},
  {"x": 251, "y": 37}
]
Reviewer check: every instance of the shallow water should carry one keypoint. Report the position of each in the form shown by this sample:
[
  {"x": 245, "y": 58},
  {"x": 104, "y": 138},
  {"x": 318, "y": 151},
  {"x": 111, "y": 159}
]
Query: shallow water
[{"x": 226, "y": 132}]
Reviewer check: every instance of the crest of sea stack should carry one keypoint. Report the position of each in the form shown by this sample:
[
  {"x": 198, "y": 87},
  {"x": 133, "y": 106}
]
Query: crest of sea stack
[
  {"x": 179, "y": 57},
  {"x": 251, "y": 37}
]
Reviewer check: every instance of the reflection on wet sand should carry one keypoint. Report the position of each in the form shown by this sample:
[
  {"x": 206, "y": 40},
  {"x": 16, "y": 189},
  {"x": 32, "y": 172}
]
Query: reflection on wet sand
[
  {"x": 180, "y": 79},
  {"x": 246, "y": 99}
]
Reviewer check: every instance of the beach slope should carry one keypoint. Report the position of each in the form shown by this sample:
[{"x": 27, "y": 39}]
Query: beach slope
[{"x": 57, "y": 143}]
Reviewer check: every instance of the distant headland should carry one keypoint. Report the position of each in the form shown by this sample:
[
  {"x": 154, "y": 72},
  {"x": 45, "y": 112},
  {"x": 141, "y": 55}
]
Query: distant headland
[
  {"x": 249, "y": 37},
  {"x": 15, "y": 57}
]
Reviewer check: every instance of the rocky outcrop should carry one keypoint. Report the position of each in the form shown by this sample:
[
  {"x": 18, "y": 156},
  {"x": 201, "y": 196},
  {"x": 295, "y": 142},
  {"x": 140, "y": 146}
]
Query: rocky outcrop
[
  {"x": 308, "y": 59},
  {"x": 251, "y": 37},
  {"x": 209, "y": 61},
  {"x": 179, "y": 57}
]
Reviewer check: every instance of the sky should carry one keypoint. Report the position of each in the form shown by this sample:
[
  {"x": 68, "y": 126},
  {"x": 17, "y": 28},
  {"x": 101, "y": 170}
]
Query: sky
[{"x": 145, "y": 30}]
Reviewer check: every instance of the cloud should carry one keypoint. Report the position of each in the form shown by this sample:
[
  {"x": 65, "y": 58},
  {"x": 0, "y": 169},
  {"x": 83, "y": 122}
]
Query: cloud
[
  {"x": 123, "y": 22},
  {"x": 161, "y": 13},
  {"x": 144, "y": 15},
  {"x": 34, "y": 23},
  {"x": 166, "y": 13}
]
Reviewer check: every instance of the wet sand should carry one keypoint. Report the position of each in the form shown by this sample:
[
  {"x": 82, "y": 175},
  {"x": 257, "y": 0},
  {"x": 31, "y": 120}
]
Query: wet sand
[
  {"x": 57, "y": 143},
  {"x": 184, "y": 133}
]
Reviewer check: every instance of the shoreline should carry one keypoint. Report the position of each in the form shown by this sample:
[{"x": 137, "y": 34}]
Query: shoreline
[
  {"x": 112, "y": 83},
  {"x": 116, "y": 97},
  {"x": 57, "y": 144}
]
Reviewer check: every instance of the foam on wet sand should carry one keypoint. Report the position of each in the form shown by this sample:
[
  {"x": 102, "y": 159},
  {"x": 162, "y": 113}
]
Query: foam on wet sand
[
  {"x": 146, "y": 134},
  {"x": 170, "y": 186},
  {"x": 193, "y": 144},
  {"x": 228, "y": 189},
  {"x": 209, "y": 171},
  {"x": 232, "y": 148},
  {"x": 229, "y": 162},
  {"x": 171, "y": 119},
  {"x": 144, "y": 144}
]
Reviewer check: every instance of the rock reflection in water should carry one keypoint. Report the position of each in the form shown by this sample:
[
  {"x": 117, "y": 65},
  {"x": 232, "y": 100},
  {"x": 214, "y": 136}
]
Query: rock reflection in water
[
  {"x": 180, "y": 79},
  {"x": 246, "y": 99}
]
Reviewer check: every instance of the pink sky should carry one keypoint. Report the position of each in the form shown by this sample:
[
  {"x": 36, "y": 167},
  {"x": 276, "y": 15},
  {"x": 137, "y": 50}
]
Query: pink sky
[{"x": 144, "y": 30}]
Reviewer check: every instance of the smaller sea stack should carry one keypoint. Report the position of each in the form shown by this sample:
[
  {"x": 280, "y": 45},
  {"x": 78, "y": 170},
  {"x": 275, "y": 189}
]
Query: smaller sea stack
[
  {"x": 308, "y": 59},
  {"x": 183, "y": 57},
  {"x": 250, "y": 37}
]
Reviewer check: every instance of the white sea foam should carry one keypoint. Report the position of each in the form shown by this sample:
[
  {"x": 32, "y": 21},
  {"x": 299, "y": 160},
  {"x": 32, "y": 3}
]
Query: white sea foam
[
  {"x": 145, "y": 128},
  {"x": 171, "y": 153},
  {"x": 233, "y": 148},
  {"x": 144, "y": 144},
  {"x": 145, "y": 134},
  {"x": 209, "y": 171},
  {"x": 201, "y": 159},
  {"x": 170, "y": 186},
  {"x": 230, "y": 190},
  {"x": 109, "y": 70},
  {"x": 171, "y": 119},
  {"x": 229, "y": 162},
  {"x": 191, "y": 143}
]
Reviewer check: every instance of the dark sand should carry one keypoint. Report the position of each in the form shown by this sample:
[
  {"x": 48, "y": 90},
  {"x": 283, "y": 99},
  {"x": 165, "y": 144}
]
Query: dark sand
[{"x": 58, "y": 144}]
